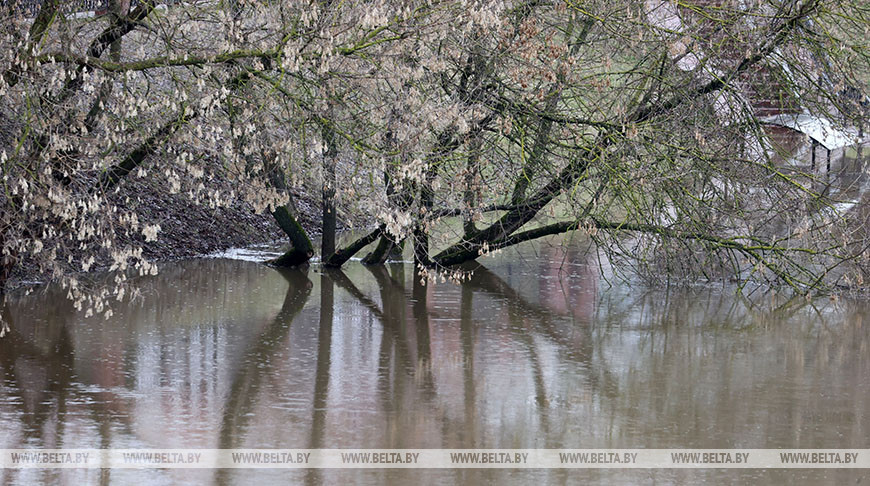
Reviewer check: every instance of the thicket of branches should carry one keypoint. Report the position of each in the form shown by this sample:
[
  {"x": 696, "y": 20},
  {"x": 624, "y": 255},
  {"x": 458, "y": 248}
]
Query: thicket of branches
[{"x": 457, "y": 127}]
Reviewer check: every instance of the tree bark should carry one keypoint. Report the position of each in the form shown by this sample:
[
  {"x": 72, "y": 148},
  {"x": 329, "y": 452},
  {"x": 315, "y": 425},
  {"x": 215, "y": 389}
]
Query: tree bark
[
  {"x": 117, "y": 172},
  {"x": 115, "y": 55},
  {"x": 469, "y": 195},
  {"x": 387, "y": 245},
  {"x": 386, "y": 248},
  {"x": 48, "y": 11},
  {"x": 446, "y": 144},
  {"x": 341, "y": 256},
  {"x": 538, "y": 156},
  {"x": 301, "y": 248},
  {"x": 514, "y": 219},
  {"x": 327, "y": 242}
]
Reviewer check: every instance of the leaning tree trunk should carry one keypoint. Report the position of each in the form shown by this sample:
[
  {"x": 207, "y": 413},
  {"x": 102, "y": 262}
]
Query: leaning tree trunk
[
  {"x": 301, "y": 249},
  {"x": 386, "y": 248}
]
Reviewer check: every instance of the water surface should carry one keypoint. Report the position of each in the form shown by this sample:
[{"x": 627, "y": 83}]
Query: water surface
[{"x": 534, "y": 351}]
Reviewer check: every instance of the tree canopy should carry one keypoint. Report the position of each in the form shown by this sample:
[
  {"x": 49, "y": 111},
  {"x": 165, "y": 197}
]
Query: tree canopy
[{"x": 454, "y": 127}]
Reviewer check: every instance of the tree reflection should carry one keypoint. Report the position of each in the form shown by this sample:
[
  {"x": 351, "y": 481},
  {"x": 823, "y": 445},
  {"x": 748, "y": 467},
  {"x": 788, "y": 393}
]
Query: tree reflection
[
  {"x": 253, "y": 368},
  {"x": 498, "y": 361}
]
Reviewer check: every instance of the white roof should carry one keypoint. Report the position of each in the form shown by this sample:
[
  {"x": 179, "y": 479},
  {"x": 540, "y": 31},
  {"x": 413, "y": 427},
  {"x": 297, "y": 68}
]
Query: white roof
[{"x": 819, "y": 129}]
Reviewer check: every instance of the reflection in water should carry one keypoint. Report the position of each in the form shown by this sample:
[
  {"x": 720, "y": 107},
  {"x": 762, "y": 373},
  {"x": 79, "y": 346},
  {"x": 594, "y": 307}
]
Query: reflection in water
[{"x": 535, "y": 354}]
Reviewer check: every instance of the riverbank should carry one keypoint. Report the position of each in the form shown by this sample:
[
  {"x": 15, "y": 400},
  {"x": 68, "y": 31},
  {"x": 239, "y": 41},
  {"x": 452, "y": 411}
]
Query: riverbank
[{"x": 187, "y": 229}]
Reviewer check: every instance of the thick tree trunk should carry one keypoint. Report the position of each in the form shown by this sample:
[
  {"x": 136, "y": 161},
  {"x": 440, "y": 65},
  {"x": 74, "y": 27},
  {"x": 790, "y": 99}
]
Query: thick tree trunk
[
  {"x": 469, "y": 195},
  {"x": 447, "y": 143},
  {"x": 421, "y": 233},
  {"x": 387, "y": 246},
  {"x": 301, "y": 248},
  {"x": 327, "y": 242}
]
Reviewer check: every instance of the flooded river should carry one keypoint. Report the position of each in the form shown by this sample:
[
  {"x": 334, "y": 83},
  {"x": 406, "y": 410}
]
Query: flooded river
[{"x": 535, "y": 351}]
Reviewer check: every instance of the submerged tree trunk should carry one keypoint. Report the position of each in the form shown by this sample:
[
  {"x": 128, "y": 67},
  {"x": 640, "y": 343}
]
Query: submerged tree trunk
[
  {"x": 387, "y": 245},
  {"x": 386, "y": 248},
  {"x": 469, "y": 195},
  {"x": 301, "y": 249},
  {"x": 330, "y": 156},
  {"x": 340, "y": 257}
]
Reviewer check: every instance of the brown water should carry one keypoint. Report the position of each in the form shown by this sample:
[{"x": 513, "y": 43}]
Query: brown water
[{"x": 535, "y": 351}]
